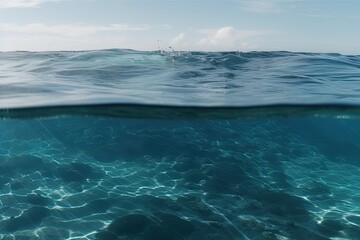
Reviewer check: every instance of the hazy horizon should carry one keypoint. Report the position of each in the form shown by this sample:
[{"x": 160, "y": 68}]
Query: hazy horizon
[{"x": 234, "y": 25}]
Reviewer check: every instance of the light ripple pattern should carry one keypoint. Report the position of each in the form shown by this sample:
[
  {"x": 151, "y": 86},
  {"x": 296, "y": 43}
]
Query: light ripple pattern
[{"x": 127, "y": 178}]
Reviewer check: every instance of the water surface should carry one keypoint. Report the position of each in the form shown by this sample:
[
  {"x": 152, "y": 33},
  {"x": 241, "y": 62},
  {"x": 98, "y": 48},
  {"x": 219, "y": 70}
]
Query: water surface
[
  {"x": 120, "y": 144},
  {"x": 30, "y": 79}
]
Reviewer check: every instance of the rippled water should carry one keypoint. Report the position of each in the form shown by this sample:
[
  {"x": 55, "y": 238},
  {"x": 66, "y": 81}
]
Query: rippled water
[
  {"x": 119, "y": 144},
  {"x": 179, "y": 78}
]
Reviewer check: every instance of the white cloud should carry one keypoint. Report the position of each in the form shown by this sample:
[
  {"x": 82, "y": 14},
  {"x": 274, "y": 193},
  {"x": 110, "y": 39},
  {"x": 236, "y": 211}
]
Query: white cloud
[
  {"x": 225, "y": 35},
  {"x": 68, "y": 30},
  {"x": 178, "y": 39},
  {"x": 44, "y": 37},
  {"x": 227, "y": 38},
  {"x": 23, "y": 3}
]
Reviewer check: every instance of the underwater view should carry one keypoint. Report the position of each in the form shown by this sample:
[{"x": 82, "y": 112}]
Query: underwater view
[{"x": 122, "y": 144}]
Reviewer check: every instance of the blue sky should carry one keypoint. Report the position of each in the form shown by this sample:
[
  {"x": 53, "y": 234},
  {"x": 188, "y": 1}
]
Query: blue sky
[{"x": 204, "y": 25}]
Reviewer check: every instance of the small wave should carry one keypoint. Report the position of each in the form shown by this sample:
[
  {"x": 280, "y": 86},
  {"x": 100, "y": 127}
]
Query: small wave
[{"x": 189, "y": 79}]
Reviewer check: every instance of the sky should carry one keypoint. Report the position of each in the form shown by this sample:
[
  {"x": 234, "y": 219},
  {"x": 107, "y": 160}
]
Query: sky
[{"x": 184, "y": 25}]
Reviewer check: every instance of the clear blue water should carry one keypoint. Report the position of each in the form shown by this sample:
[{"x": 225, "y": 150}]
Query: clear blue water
[{"x": 120, "y": 144}]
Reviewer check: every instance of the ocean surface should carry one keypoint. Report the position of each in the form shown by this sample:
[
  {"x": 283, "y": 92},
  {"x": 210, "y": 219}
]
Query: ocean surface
[{"x": 129, "y": 145}]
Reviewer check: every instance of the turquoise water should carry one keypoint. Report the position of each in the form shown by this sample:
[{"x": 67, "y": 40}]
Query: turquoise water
[{"x": 120, "y": 144}]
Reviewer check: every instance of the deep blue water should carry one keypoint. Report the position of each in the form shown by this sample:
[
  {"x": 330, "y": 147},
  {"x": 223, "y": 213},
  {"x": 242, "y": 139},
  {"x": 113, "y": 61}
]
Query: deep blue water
[{"x": 120, "y": 144}]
